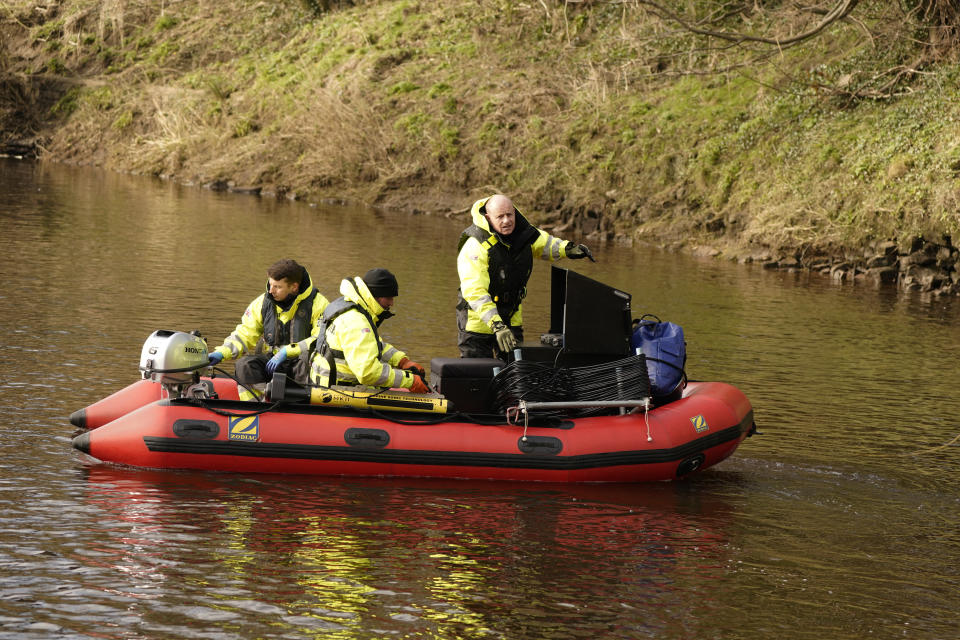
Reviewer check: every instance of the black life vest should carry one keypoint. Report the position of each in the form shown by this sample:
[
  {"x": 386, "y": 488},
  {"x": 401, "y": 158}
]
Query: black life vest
[
  {"x": 508, "y": 266},
  {"x": 278, "y": 334}
]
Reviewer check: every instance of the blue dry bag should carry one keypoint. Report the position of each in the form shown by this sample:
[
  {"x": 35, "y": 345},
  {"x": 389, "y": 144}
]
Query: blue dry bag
[{"x": 666, "y": 352}]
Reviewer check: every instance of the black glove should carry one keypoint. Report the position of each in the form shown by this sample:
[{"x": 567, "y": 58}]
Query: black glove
[{"x": 578, "y": 251}]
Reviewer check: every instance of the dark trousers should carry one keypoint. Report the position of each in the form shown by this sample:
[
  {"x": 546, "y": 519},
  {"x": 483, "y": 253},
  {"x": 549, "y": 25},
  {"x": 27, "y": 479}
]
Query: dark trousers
[
  {"x": 253, "y": 369},
  {"x": 481, "y": 345}
]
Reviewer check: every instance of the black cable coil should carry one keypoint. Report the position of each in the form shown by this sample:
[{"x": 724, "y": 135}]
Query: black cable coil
[{"x": 624, "y": 379}]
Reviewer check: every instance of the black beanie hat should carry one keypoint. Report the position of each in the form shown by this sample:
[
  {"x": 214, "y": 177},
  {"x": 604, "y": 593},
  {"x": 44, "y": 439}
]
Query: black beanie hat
[{"x": 381, "y": 283}]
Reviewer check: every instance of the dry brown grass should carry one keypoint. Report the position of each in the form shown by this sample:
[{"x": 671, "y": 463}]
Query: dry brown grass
[{"x": 596, "y": 116}]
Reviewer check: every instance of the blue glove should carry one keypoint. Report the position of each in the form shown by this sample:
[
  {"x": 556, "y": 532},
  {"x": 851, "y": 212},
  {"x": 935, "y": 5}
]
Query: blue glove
[
  {"x": 215, "y": 357},
  {"x": 275, "y": 361}
]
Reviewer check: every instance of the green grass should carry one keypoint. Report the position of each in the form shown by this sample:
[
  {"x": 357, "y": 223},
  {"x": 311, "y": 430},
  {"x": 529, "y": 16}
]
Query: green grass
[{"x": 573, "y": 108}]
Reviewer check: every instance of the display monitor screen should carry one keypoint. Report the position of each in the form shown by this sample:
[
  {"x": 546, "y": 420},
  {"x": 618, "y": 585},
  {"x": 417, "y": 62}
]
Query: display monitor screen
[{"x": 592, "y": 317}]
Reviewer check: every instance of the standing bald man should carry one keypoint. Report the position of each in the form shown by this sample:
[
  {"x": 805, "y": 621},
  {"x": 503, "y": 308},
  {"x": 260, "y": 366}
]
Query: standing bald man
[{"x": 494, "y": 262}]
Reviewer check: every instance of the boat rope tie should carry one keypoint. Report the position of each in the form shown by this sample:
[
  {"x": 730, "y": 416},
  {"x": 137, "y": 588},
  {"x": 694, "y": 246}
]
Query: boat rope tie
[{"x": 646, "y": 418}]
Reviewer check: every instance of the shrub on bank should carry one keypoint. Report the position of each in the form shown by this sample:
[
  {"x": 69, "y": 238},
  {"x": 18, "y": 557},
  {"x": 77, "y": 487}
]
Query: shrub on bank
[{"x": 613, "y": 119}]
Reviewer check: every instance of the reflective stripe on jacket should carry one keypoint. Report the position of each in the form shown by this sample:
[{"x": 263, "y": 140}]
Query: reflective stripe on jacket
[
  {"x": 264, "y": 324},
  {"x": 494, "y": 274},
  {"x": 360, "y": 354}
]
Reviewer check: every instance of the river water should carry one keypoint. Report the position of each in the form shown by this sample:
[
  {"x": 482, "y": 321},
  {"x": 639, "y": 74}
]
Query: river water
[{"x": 839, "y": 521}]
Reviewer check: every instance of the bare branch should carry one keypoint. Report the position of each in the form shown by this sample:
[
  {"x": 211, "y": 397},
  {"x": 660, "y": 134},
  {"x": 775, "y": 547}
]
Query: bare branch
[{"x": 840, "y": 11}]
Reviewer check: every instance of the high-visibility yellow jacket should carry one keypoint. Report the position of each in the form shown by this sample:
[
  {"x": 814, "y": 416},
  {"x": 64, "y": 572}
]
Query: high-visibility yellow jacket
[
  {"x": 494, "y": 269},
  {"x": 266, "y": 327},
  {"x": 352, "y": 340}
]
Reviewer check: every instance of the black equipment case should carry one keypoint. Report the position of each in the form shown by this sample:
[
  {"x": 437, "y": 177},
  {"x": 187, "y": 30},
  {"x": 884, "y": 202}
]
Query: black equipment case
[{"x": 465, "y": 382}]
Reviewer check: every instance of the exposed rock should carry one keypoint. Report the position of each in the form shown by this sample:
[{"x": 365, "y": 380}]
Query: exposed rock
[
  {"x": 705, "y": 251},
  {"x": 18, "y": 148},
  {"x": 881, "y": 275},
  {"x": 253, "y": 191},
  {"x": 885, "y": 260},
  {"x": 927, "y": 278},
  {"x": 887, "y": 248},
  {"x": 217, "y": 185},
  {"x": 928, "y": 266},
  {"x": 917, "y": 258},
  {"x": 842, "y": 272}
]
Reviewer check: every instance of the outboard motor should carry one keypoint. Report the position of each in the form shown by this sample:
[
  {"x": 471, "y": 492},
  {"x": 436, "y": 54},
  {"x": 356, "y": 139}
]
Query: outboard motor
[{"x": 174, "y": 359}]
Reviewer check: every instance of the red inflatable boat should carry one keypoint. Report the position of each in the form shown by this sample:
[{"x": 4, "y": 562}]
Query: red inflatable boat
[
  {"x": 138, "y": 394},
  {"x": 576, "y": 407},
  {"x": 696, "y": 432}
]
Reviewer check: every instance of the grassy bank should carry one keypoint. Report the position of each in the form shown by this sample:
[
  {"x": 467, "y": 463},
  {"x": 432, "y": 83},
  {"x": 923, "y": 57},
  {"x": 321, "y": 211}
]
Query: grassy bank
[{"x": 597, "y": 117}]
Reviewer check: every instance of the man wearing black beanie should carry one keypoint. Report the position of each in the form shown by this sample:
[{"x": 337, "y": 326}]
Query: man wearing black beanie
[
  {"x": 350, "y": 350},
  {"x": 381, "y": 283}
]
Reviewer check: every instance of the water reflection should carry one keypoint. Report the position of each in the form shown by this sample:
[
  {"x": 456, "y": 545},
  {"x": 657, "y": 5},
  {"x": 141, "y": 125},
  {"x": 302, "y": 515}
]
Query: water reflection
[
  {"x": 450, "y": 559},
  {"x": 838, "y": 521}
]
